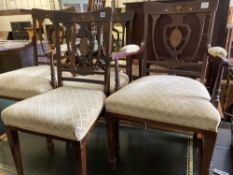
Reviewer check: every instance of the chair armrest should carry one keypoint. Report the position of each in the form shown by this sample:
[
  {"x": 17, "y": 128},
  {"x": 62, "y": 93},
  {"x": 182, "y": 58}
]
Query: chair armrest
[
  {"x": 128, "y": 50},
  {"x": 219, "y": 54}
]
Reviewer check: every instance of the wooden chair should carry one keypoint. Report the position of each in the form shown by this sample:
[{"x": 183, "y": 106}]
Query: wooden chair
[
  {"x": 67, "y": 113},
  {"x": 26, "y": 82},
  {"x": 181, "y": 35}
]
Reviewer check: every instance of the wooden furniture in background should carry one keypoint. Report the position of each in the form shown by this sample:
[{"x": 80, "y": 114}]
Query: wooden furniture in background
[
  {"x": 177, "y": 36},
  {"x": 229, "y": 39},
  {"x": 15, "y": 55}
]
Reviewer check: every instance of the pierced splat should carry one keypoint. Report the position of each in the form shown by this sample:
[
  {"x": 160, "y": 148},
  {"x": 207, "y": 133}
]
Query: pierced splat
[
  {"x": 178, "y": 34},
  {"x": 87, "y": 43}
]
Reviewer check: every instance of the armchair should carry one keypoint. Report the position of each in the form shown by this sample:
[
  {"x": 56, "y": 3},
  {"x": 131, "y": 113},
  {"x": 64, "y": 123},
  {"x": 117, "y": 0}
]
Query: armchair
[
  {"x": 178, "y": 102},
  {"x": 67, "y": 113}
]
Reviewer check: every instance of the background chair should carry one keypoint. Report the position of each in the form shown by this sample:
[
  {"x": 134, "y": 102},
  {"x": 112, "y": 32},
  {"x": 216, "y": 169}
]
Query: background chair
[
  {"x": 67, "y": 113},
  {"x": 30, "y": 81},
  {"x": 181, "y": 34}
]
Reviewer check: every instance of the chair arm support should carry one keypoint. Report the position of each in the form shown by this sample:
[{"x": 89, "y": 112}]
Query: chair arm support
[
  {"x": 125, "y": 51},
  {"x": 52, "y": 69},
  {"x": 219, "y": 54}
]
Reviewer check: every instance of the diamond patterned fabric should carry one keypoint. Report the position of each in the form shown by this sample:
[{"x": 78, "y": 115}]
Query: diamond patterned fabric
[
  {"x": 26, "y": 82},
  {"x": 66, "y": 112},
  {"x": 123, "y": 81},
  {"x": 169, "y": 99}
]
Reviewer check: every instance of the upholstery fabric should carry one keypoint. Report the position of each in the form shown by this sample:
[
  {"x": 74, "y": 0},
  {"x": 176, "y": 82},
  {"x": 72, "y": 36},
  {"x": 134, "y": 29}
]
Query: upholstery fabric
[
  {"x": 169, "y": 99},
  {"x": 123, "y": 80},
  {"x": 66, "y": 112},
  {"x": 131, "y": 48},
  {"x": 26, "y": 82},
  {"x": 217, "y": 52}
]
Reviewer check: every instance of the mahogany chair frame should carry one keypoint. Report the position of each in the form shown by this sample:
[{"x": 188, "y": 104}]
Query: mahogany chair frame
[
  {"x": 102, "y": 18},
  {"x": 176, "y": 65}
]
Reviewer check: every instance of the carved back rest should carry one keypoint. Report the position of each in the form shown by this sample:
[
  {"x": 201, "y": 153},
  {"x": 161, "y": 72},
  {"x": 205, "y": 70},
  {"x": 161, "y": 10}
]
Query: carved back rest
[
  {"x": 121, "y": 22},
  {"x": 88, "y": 37},
  {"x": 178, "y": 34},
  {"x": 95, "y": 4}
]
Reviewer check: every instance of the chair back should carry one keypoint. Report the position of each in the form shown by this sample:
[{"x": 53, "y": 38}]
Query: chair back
[
  {"x": 177, "y": 36},
  {"x": 88, "y": 38}
]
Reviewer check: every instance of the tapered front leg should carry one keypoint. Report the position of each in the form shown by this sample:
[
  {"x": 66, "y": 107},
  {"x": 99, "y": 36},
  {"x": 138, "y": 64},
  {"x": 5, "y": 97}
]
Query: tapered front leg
[
  {"x": 80, "y": 158},
  {"x": 112, "y": 137},
  {"x": 13, "y": 139},
  {"x": 207, "y": 152}
]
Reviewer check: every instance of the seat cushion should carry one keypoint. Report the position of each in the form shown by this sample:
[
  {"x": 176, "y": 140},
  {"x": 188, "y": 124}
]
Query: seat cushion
[
  {"x": 123, "y": 80},
  {"x": 26, "y": 82},
  {"x": 66, "y": 112},
  {"x": 168, "y": 99}
]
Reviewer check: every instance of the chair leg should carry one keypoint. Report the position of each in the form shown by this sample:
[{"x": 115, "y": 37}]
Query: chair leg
[
  {"x": 50, "y": 144},
  {"x": 117, "y": 141},
  {"x": 13, "y": 139},
  {"x": 80, "y": 158},
  {"x": 206, "y": 154},
  {"x": 111, "y": 133},
  {"x": 129, "y": 65}
]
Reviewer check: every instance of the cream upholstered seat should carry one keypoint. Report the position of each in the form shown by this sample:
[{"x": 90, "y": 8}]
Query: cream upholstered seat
[
  {"x": 123, "y": 81},
  {"x": 168, "y": 99},
  {"x": 26, "y": 82},
  {"x": 66, "y": 112}
]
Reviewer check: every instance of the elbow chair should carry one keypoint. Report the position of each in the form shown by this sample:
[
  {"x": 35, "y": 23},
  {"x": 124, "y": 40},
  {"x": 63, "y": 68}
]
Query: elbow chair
[{"x": 180, "y": 36}]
